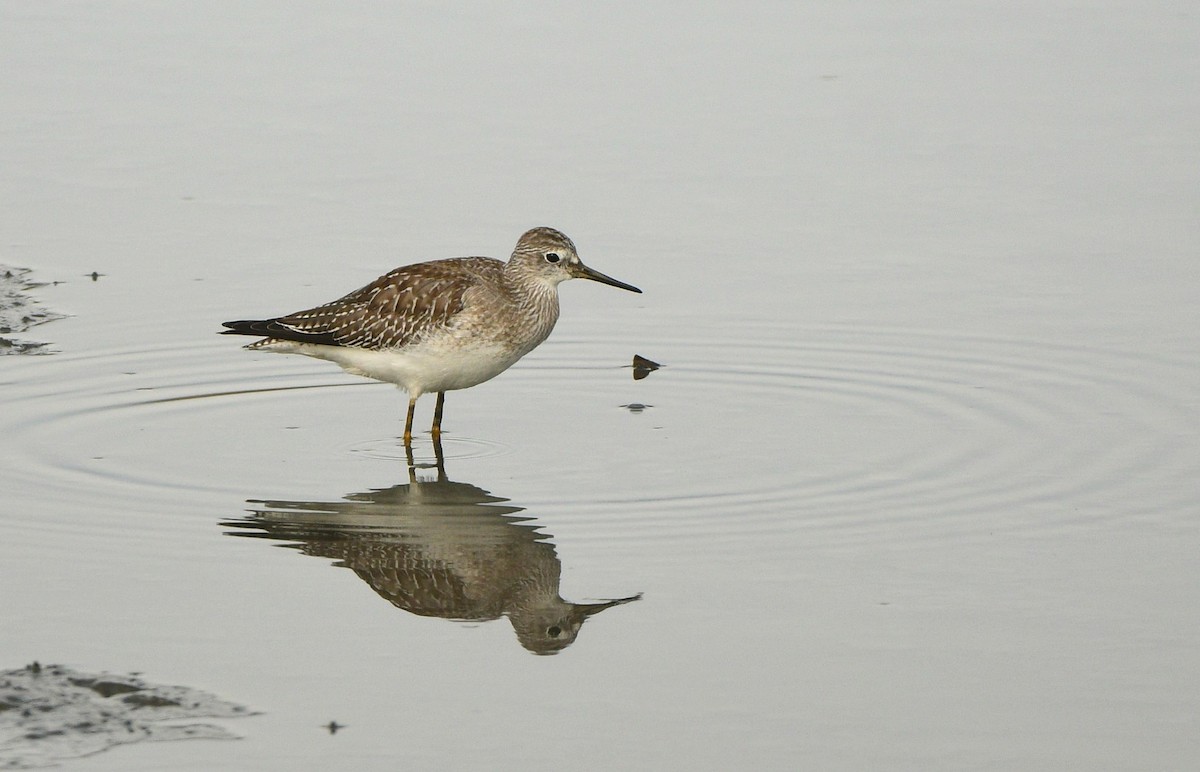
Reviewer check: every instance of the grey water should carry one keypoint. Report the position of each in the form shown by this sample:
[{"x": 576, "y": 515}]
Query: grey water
[{"x": 916, "y": 486}]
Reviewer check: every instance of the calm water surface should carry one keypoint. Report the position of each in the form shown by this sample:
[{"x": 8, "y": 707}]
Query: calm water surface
[{"x": 915, "y": 489}]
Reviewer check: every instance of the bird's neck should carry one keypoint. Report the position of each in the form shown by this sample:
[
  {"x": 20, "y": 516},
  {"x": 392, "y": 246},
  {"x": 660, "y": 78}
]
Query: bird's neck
[{"x": 537, "y": 298}]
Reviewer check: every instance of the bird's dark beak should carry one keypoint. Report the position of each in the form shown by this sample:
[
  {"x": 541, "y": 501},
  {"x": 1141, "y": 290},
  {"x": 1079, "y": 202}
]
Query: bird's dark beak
[
  {"x": 588, "y": 609},
  {"x": 581, "y": 271}
]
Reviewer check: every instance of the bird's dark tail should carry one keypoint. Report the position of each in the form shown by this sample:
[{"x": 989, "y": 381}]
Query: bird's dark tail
[
  {"x": 259, "y": 327},
  {"x": 273, "y": 328}
]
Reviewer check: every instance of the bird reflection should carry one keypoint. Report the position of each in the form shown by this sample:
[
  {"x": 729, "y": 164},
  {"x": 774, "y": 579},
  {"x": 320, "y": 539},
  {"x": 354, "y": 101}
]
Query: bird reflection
[{"x": 437, "y": 548}]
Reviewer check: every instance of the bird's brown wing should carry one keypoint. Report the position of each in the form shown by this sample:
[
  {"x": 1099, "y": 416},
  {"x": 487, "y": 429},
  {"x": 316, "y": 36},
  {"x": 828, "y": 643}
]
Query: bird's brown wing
[{"x": 393, "y": 311}]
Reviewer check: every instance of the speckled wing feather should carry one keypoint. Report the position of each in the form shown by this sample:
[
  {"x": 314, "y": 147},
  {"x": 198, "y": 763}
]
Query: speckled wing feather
[
  {"x": 393, "y": 311},
  {"x": 408, "y": 578}
]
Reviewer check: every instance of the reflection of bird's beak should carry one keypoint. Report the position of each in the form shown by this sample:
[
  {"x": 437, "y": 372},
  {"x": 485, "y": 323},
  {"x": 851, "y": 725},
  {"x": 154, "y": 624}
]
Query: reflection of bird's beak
[
  {"x": 589, "y": 609},
  {"x": 581, "y": 271}
]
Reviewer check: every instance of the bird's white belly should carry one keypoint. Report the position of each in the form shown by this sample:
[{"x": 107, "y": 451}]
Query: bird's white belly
[{"x": 417, "y": 369}]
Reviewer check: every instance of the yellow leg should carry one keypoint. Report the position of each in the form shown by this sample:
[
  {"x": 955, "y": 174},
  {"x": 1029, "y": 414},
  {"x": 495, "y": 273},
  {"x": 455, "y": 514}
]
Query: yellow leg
[
  {"x": 436, "y": 431},
  {"x": 412, "y": 407}
]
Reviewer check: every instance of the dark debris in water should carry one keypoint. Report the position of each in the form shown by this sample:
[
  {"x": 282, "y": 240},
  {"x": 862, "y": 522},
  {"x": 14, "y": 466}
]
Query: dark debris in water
[
  {"x": 53, "y": 713},
  {"x": 19, "y": 311},
  {"x": 643, "y": 367}
]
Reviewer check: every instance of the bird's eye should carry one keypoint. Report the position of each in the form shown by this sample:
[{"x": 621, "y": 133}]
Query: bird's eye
[
  {"x": 554, "y": 631},
  {"x": 553, "y": 257}
]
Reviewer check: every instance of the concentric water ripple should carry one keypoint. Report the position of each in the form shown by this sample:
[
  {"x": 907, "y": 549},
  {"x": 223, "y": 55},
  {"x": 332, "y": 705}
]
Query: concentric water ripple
[
  {"x": 454, "y": 448},
  {"x": 920, "y": 430},
  {"x": 852, "y": 431}
]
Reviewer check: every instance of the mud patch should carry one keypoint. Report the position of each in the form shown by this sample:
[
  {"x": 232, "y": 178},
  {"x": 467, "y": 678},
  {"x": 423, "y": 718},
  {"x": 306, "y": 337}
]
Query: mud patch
[
  {"x": 19, "y": 311},
  {"x": 53, "y": 713}
]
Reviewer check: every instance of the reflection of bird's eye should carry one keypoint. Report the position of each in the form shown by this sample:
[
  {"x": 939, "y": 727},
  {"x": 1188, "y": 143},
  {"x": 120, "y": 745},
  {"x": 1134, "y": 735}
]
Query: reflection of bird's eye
[
  {"x": 552, "y": 257},
  {"x": 554, "y": 632}
]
